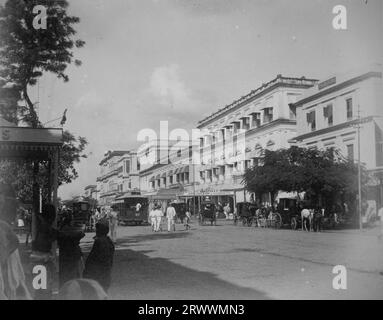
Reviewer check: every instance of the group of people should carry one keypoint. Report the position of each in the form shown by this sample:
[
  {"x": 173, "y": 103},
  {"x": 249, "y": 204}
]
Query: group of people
[
  {"x": 77, "y": 279},
  {"x": 156, "y": 215},
  {"x": 68, "y": 234},
  {"x": 107, "y": 215}
]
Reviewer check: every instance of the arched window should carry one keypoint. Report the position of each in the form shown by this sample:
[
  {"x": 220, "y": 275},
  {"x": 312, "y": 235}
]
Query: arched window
[
  {"x": 258, "y": 147},
  {"x": 270, "y": 143}
]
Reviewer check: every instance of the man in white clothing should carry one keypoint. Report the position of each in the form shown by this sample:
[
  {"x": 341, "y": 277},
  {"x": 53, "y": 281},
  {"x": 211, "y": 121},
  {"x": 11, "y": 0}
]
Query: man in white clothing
[
  {"x": 171, "y": 215},
  {"x": 158, "y": 214},
  {"x": 153, "y": 219}
]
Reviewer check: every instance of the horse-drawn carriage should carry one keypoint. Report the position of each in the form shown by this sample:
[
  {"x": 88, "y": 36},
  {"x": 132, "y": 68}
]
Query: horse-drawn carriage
[
  {"x": 78, "y": 213},
  {"x": 246, "y": 213},
  {"x": 207, "y": 213}
]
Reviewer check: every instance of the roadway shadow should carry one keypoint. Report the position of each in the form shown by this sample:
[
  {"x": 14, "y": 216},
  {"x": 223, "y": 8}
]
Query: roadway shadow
[
  {"x": 86, "y": 244},
  {"x": 164, "y": 235},
  {"x": 138, "y": 276}
]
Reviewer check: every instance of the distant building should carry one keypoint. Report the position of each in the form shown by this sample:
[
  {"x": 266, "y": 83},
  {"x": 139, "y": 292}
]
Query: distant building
[
  {"x": 236, "y": 135},
  {"x": 327, "y": 116},
  {"x": 167, "y": 174},
  {"x": 119, "y": 173},
  {"x": 90, "y": 192}
]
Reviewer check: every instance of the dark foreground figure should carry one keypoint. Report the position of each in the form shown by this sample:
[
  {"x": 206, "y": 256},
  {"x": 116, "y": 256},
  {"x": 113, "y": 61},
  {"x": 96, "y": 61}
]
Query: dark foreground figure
[{"x": 99, "y": 263}]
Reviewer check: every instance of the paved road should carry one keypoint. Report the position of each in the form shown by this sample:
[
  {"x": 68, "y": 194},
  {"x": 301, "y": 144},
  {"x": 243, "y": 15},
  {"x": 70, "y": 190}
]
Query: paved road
[{"x": 235, "y": 262}]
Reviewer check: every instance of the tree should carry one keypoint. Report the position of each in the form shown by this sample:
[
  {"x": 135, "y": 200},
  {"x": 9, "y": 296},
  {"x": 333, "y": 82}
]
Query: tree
[
  {"x": 26, "y": 52},
  {"x": 318, "y": 173}
]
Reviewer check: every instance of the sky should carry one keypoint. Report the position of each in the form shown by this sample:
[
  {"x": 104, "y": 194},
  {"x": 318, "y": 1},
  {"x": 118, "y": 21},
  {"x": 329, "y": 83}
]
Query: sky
[{"x": 150, "y": 60}]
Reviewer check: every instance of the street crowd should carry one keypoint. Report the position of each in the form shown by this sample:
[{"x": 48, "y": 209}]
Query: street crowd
[
  {"x": 78, "y": 279},
  {"x": 81, "y": 278},
  {"x": 156, "y": 216}
]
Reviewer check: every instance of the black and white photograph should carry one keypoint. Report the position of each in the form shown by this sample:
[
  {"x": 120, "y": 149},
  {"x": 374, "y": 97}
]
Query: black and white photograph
[{"x": 191, "y": 155}]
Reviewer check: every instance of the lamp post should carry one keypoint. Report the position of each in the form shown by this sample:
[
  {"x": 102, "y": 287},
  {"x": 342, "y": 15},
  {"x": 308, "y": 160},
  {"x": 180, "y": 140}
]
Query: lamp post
[{"x": 359, "y": 176}]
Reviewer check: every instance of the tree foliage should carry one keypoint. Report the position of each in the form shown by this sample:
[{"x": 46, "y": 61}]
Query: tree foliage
[
  {"x": 26, "y": 52},
  {"x": 317, "y": 172}
]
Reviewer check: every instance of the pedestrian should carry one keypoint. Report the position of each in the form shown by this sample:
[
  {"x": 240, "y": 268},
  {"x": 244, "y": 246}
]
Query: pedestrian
[
  {"x": 12, "y": 277},
  {"x": 227, "y": 211},
  {"x": 98, "y": 265},
  {"x": 171, "y": 215},
  {"x": 152, "y": 218},
  {"x": 187, "y": 219},
  {"x": 28, "y": 226},
  {"x": 317, "y": 219},
  {"x": 113, "y": 222},
  {"x": 71, "y": 263},
  {"x": 158, "y": 214},
  {"x": 20, "y": 220},
  {"x": 380, "y": 215}
]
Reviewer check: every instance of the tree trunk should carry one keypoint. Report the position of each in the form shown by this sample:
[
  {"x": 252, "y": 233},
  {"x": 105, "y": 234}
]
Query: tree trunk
[{"x": 34, "y": 122}]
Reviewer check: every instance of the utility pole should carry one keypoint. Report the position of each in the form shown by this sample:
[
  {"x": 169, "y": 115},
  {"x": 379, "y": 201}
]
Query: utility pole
[{"x": 359, "y": 176}]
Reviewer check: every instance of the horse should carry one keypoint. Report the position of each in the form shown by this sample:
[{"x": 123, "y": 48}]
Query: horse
[{"x": 307, "y": 215}]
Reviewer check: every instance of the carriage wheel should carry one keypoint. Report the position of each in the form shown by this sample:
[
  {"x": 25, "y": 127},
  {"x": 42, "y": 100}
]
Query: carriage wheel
[
  {"x": 249, "y": 222},
  {"x": 294, "y": 223},
  {"x": 235, "y": 221},
  {"x": 244, "y": 221},
  {"x": 277, "y": 220}
]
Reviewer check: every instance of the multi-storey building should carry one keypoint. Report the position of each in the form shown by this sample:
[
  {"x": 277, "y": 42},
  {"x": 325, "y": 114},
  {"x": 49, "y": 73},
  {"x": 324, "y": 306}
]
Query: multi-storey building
[
  {"x": 168, "y": 175},
  {"x": 119, "y": 174},
  {"x": 236, "y": 135},
  {"x": 328, "y": 115}
]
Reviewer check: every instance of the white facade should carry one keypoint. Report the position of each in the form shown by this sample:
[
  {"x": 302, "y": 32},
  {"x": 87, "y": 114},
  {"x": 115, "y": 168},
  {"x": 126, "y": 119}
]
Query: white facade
[
  {"x": 238, "y": 133},
  {"x": 344, "y": 96},
  {"x": 164, "y": 169},
  {"x": 119, "y": 173},
  {"x": 330, "y": 114}
]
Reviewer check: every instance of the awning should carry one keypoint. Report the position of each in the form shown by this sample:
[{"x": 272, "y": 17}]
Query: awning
[
  {"x": 183, "y": 169},
  {"x": 29, "y": 143},
  {"x": 164, "y": 194},
  {"x": 170, "y": 173},
  {"x": 151, "y": 179},
  {"x": 177, "y": 170},
  {"x": 163, "y": 175},
  {"x": 158, "y": 176}
]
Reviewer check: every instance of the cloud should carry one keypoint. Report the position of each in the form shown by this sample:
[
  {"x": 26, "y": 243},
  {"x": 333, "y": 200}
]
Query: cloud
[{"x": 165, "y": 83}]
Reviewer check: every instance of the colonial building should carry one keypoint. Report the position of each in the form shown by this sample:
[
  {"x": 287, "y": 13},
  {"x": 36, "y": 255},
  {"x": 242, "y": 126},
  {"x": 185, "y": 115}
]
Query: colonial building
[
  {"x": 119, "y": 174},
  {"x": 328, "y": 115},
  {"x": 166, "y": 176},
  {"x": 90, "y": 192},
  {"x": 237, "y": 134}
]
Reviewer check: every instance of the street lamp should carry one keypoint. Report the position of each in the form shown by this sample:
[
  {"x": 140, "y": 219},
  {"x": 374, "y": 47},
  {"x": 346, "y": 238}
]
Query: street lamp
[{"x": 359, "y": 176}]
